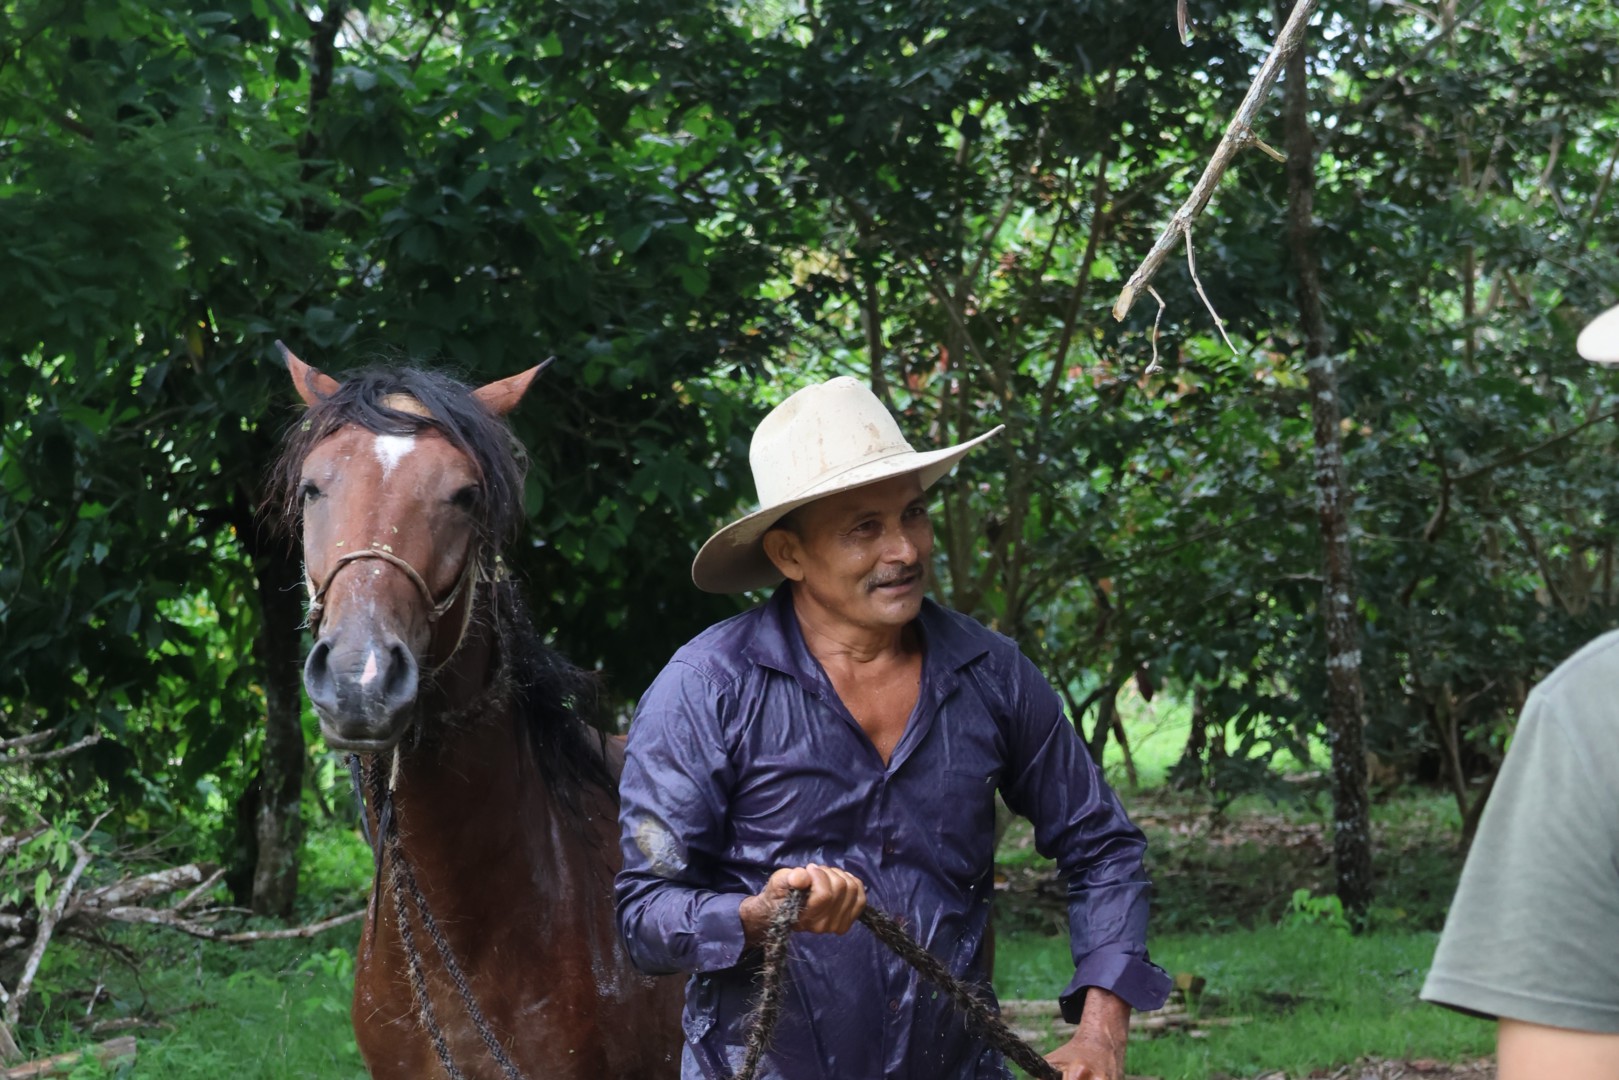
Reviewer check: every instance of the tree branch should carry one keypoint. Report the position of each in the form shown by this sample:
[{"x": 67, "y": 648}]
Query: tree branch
[
  {"x": 1528, "y": 540},
  {"x": 1601, "y": 192},
  {"x": 1238, "y": 136},
  {"x": 42, "y": 935},
  {"x": 30, "y": 757},
  {"x": 1524, "y": 455}
]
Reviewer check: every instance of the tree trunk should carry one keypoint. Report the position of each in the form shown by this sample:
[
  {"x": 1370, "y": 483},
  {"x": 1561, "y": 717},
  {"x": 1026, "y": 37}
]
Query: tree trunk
[
  {"x": 1123, "y": 739},
  {"x": 1190, "y": 772},
  {"x": 1352, "y": 840},
  {"x": 1106, "y": 706},
  {"x": 279, "y": 824}
]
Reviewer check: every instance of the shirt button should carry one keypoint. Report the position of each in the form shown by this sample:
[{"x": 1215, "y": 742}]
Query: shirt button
[{"x": 893, "y": 1005}]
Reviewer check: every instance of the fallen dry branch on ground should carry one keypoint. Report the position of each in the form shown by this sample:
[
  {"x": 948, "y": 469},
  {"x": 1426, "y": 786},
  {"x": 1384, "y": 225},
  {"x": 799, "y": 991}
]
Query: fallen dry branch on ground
[
  {"x": 75, "y": 908},
  {"x": 110, "y": 1053}
]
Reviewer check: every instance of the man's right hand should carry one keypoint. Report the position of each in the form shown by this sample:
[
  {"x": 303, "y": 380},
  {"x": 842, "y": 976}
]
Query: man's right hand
[{"x": 836, "y": 899}]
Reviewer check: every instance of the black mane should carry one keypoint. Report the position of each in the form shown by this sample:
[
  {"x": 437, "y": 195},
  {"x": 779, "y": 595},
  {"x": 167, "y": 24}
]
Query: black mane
[{"x": 555, "y": 701}]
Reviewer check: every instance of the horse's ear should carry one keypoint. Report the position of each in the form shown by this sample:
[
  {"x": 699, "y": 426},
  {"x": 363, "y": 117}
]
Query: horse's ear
[
  {"x": 312, "y": 385},
  {"x": 502, "y": 397}
]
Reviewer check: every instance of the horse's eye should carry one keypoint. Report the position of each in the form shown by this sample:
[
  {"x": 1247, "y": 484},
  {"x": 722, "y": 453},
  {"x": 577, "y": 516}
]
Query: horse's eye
[
  {"x": 308, "y": 492},
  {"x": 466, "y": 498}
]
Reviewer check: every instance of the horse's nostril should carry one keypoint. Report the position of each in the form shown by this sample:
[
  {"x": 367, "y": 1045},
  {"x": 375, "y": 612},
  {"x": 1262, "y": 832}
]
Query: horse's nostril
[
  {"x": 399, "y": 685},
  {"x": 318, "y": 676}
]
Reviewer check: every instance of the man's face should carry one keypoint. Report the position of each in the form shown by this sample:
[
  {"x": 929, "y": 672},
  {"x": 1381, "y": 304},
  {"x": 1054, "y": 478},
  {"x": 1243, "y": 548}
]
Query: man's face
[{"x": 861, "y": 555}]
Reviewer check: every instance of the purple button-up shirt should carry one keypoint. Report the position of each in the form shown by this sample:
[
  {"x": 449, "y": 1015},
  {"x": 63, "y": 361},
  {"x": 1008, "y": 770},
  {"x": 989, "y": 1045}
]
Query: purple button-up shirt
[{"x": 742, "y": 759}]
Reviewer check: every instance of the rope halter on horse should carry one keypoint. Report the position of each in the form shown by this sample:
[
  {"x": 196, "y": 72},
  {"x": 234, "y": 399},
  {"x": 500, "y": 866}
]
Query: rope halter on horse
[
  {"x": 473, "y": 572},
  {"x": 436, "y": 609}
]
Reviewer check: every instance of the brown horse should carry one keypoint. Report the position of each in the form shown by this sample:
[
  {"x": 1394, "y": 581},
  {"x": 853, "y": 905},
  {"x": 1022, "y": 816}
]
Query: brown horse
[{"x": 489, "y": 949}]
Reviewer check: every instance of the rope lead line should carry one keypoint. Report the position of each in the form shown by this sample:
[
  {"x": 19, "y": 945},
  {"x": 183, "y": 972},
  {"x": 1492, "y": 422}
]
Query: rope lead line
[
  {"x": 980, "y": 1019},
  {"x": 762, "y": 1024},
  {"x": 390, "y": 855}
]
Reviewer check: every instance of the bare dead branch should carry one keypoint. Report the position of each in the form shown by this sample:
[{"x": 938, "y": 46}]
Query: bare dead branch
[
  {"x": 42, "y": 935},
  {"x": 195, "y": 894},
  {"x": 1238, "y": 135},
  {"x": 1191, "y": 265},
  {"x": 141, "y": 887},
  {"x": 110, "y": 1053},
  {"x": 19, "y": 741},
  {"x": 295, "y": 931},
  {"x": 30, "y": 757},
  {"x": 175, "y": 921},
  {"x": 1266, "y": 148},
  {"x": 1155, "y": 367}
]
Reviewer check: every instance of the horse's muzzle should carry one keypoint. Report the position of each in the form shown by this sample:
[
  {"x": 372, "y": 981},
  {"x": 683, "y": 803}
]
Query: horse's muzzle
[{"x": 362, "y": 691}]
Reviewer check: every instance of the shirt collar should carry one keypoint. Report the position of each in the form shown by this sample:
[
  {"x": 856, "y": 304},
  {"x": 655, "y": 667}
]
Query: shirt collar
[{"x": 778, "y": 643}]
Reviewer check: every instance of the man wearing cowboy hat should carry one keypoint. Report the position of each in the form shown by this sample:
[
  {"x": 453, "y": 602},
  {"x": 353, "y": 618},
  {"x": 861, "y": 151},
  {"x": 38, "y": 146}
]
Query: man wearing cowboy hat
[
  {"x": 1530, "y": 939},
  {"x": 848, "y": 737}
]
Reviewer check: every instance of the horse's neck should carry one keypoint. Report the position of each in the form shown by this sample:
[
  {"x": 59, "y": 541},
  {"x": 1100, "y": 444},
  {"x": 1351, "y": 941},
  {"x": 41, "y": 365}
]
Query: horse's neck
[{"x": 472, "y": 799}]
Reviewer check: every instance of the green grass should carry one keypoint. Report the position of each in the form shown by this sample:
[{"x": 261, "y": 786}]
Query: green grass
[
  {"x": 268, "y": 1011},
  {"x": 274, "y": 1010},
  {"x": 1313, "y": 997}
]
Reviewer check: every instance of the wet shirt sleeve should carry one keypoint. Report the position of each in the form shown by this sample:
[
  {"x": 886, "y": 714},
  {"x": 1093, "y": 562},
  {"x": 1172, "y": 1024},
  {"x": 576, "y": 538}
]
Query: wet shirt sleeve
[
  {"x": 672, "y": 803},
  {"x": 1078, "y": 822}
]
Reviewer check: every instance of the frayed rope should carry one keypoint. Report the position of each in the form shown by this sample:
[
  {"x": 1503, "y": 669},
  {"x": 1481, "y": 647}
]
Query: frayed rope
[{"x": 981, "y": 1020}]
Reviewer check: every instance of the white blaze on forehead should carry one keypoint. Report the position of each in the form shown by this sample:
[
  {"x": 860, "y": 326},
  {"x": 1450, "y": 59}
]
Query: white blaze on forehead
[{"x": 391, "y": 450}]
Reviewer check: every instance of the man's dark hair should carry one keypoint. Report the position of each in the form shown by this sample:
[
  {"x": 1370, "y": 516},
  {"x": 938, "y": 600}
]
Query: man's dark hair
[{"x": 790, "y": 522}]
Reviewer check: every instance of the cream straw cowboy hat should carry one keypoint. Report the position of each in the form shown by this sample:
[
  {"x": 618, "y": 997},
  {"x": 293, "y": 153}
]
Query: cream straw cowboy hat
[
  {"x": 826, "y": 438},
  {"x": 1600, "y": 340}
]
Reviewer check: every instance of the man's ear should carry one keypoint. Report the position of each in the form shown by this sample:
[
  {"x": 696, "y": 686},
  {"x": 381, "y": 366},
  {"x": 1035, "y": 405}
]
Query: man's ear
[
  {"x": 312, "y": 385},
  {"x": 782, "y": 548}
]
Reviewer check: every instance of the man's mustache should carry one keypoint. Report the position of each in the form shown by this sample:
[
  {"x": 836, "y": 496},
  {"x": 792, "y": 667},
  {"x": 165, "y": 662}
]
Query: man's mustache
[{"x": 903, "y": 576}]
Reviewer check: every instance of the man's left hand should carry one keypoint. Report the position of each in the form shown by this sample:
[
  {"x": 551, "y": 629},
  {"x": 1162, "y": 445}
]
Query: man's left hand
[
  {"x": 1096, "y": 1052},
  {"x": 1084, "y": 1059}
]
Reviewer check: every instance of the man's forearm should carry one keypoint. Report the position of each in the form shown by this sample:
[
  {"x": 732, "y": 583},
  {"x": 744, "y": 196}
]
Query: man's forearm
[
  {"x": 1106, "y": 1020},
  {"x": 1096, "y": 1050},
  {"x": 1531, "y": 1051}
]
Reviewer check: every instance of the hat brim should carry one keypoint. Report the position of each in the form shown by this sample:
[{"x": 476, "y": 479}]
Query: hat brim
[
  {"x": 734, "y": 560},
  {"x": 1599, "y": 342}
]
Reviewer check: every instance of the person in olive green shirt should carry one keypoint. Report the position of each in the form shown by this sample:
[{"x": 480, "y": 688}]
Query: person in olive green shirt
[{"x": 1532, "y": 938}]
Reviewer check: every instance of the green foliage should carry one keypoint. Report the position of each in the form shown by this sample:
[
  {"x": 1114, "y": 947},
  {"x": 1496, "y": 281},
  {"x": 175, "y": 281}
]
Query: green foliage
[
  {"x": 1308, "y": 909},
  {"x": 179, "y": 191},
  {"x": 980, "y": 174}
]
